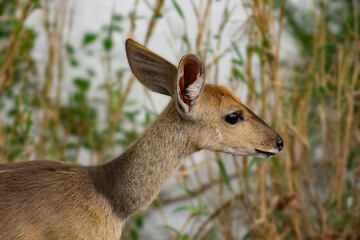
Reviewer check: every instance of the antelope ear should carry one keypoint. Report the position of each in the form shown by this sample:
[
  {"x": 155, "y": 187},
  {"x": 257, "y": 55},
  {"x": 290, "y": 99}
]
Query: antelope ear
[
  {"x": 153, "y": 71},
  {"x": 190, "y": 82}
]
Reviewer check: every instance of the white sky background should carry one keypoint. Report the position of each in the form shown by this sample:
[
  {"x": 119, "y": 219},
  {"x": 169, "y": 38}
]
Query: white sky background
[{"x": 92, "y": 15}]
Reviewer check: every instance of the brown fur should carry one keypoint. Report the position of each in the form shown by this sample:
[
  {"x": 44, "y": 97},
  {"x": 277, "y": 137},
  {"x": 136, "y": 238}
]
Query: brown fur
[{"x": 53, "y": 200}]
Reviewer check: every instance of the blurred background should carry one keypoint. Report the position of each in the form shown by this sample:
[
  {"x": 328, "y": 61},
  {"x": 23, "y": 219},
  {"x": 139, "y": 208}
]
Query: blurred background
[{"x": 67, "y": 94}]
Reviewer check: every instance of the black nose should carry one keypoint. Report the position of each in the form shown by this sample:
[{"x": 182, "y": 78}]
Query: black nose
[{"x": 279, "y": 143}]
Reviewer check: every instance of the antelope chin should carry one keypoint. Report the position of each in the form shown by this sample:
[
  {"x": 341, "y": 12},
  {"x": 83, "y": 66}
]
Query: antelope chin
[
  {"x": 258, "y": 153},
  {"x": 265, "y": 154}
]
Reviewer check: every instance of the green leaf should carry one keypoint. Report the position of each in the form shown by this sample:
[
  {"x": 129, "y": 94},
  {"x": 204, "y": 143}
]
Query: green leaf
[
  {"x": 79, "y": 98},
  {"x": 16, "y": 25},
  {"x": 139, "y": 221},
  {"x": 252, "y": 162},
  {"x": 257, "y": 50},
  {"x": 9, "y": 93},
  {"x": 158, "y": 15},
  {"x": 223, "y": 172},
  {"x": 12, "y": 112},
  {"x": 122, "y": 142},
  {"x": 148, "y": 5},
  {"x": 340, "y": 223},
  {"x": 147, "y": 119},
  {"x": 322, "y": 92},
  {"x": 333, "y": 205},
  {"x": 185, "y": 237},
  {"x": 198, "y": 211},
  {"x": 15, "y": 154},
  {"x": 240, "y": 76},
  {"x": 69, "y": 49},
  {"x": 91, "y": 72},
  {"x": 131, "y": 103},
  {"x": 134, "y": 235},
  {"x": 185, "y": 39},
  {"x": 132, "y": 115},
  {"x": 74, "y": 62},
  {"x": 331, "y": 87},
  {"x": 188, "y": 191},
  {"x": 178, "y": 9},
  {"x": 116, "y": 29},
  {"x": 29, "y": 123},
  {"x": 278, "y": 168},
  {"x": 131, "y": 136},
  {"x": 281, "y": 214},
  {"x": 25, "y": 101},
  {"x": 117, "y": 17},
  {"x": 71, "y": 145},
  {"x": 185, "y": 208},
  {"x": 82, "y": 83},
  {"x": 349, "y": 187},
  {"x": 278, "y": 3},
  {"x": 238, "y": 53},
  {"x": 37, "y": 4},
  {"x": 238, "y": 62},
  {"x": 246, "y": 236},
  {"x": 89, "y": 38},
  {"x": 108, "y": 44},
  {"x": 350, "y": 161},
  {"x": 172, "y": 229}
]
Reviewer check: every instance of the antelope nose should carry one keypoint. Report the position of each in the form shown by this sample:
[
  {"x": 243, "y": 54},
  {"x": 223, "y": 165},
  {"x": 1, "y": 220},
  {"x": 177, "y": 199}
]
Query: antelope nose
[{"x": 279, "y": 143}]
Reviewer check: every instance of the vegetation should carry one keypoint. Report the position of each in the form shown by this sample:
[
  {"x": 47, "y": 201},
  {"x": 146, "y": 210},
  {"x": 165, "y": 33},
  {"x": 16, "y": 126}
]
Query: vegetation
[{"x": 309, "y": 191}]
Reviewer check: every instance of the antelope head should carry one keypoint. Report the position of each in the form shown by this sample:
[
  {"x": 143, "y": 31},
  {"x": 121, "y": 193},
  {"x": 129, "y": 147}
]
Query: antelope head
[{"x": 215, "y": 118}]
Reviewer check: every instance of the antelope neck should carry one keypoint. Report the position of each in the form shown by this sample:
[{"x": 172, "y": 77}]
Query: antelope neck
[{"x": 131, "y": 181}]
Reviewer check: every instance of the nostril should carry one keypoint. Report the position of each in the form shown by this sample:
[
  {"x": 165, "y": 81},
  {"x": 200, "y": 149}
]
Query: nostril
[{"x": 279, "y": 143}]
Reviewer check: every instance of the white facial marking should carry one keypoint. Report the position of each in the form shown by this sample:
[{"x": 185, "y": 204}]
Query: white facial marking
[
  {"x": 6, "y": 171},
  {"x": 218, "y": 134}
]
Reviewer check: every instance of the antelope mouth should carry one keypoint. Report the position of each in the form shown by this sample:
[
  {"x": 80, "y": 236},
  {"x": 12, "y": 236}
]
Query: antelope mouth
[{"x": 263, "y": 154}]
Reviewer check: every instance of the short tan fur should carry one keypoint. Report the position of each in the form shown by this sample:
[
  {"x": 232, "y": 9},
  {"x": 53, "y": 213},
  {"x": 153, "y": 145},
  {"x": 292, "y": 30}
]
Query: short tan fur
[{"x": 54, "y": 200}]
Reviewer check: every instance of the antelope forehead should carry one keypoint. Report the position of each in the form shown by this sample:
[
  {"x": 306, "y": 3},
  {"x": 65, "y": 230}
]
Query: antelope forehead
[
  {"x": 227, "y": 99},
  {"x": 218, "y": 100}
]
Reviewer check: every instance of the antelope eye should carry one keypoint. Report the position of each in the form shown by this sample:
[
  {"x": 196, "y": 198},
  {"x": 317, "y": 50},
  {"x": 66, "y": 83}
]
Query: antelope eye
[{"x": 234, "y": 118}]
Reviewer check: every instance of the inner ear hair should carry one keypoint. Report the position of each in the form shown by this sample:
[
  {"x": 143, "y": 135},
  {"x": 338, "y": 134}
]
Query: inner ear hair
[{"x": 191, "y": 80}]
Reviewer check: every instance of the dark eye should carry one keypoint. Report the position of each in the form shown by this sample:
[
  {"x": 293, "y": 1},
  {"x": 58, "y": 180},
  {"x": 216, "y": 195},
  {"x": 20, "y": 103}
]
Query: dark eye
[{"x": 234, "y": 117}]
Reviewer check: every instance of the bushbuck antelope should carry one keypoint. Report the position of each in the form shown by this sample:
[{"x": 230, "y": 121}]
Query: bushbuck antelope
[{"x": 55, "y": 200}]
